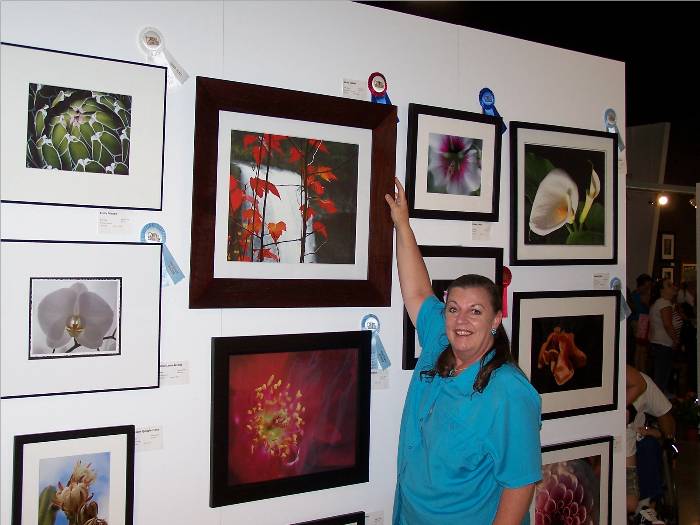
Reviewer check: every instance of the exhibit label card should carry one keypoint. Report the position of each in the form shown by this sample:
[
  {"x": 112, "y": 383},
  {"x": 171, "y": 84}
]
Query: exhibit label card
[
  {"x": 148, "y": 438},
  {"x": 113, "y": 222},
  {"x": 175, "y": 373}
]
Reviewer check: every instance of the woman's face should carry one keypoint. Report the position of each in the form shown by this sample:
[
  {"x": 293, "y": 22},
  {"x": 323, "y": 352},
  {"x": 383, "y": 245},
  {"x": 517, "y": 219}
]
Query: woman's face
[
  {"x": 668, "y": 290},
  {"x": 469, "y": 318}
]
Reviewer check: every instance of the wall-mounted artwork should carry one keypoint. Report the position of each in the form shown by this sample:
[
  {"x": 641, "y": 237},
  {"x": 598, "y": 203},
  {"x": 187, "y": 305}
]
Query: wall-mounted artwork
[
  {"x": 576, "y": 485},
  {"x": 87, "y": 310},
  {"x": 90, "y": 133},
  {"x": 71, "y": 317},
  {"x": 567, "y": 345},
  {"x": 278, "y": 429},
  {"x": 668, "y": 273},
  {"x": 688, "y": 272},
  {"x": 297, "y": 182},
  {"x": 355, "y": 518},
  {"x": 445, "y": 264},
  {"x": 453, "y": 161},
  {"x": 80, "y": 477},
  {"x": 563, "y": 195},
  {"x": 668, "y": 246}
]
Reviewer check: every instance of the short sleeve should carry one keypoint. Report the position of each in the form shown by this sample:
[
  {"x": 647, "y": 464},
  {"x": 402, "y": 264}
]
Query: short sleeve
[
  {"x": 655, "y": 402},
  {"x": 514, "y": 442},
  {"x": 430, "y": 327}
]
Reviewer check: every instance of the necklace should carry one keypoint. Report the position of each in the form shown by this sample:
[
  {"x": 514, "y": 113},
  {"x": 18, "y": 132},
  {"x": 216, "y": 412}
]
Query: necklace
[{"x": 458, "y": 369}]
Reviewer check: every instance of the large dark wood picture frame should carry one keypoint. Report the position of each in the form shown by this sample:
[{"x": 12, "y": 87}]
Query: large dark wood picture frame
[
  {"x": 354, "y": 518},
  {"x": 219, "y": 97},
  {"x": 290, "y": 414}
]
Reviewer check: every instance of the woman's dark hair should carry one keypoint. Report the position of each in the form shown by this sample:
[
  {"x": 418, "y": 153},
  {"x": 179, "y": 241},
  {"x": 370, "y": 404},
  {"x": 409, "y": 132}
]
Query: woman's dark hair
[
  {"x": 656, "y": 290},
  {"x": 445, "y": 363}
]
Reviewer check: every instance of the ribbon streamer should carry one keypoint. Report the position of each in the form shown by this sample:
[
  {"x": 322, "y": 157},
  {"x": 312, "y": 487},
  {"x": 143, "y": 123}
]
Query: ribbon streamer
[
  {"x": 170, "y": 271},
  {"x": 488, "y": 107},
  {"x": 507, "y": 278},
  {"x": 380, "y": 359},
  {"x": 625, "y": 310},
  {"x": 610, "y": 120},
  {"x": 152, "y": 43}
]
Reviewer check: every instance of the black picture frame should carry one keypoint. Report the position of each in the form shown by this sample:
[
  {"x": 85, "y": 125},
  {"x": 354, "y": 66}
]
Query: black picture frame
[
  {"x": 245, "y": 465},
  {"x": 464, "y": 259},
  {"x": 438, "y": 205},
  {"x": 558, "y": 242},
  {"x": 590, "y": 461},
  {"x": 207, "y": 291},
  {"x": 31, "y": 449},
  {"x": 668, "y": 246},
  {"x": 354, "y": 518},
  {"x": 557, "y": 322}
]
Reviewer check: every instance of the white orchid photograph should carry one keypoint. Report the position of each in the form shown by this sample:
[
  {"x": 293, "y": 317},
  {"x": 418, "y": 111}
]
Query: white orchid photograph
[{"x": 74, "y": 317}]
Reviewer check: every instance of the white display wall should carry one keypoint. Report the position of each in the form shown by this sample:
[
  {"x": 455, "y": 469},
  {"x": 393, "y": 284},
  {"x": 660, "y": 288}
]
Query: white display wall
[{"x": 306, "y": 46}]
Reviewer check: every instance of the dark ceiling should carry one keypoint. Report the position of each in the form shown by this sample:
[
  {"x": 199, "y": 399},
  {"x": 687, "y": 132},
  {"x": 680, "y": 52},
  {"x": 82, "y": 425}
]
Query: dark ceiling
[{"x": 656, "y": 40}]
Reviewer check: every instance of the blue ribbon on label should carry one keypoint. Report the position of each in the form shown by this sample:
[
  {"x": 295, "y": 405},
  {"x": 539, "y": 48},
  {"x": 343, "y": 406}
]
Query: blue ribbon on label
[
  {"x": 170, "y": 271},
  {"x": 380, "y": 359},
  {"x": 610, "y": 120},
  {"x": 378, "y": 88},
  {"x": 488, "y": 107},
  {"x": 625, "y": 311}
]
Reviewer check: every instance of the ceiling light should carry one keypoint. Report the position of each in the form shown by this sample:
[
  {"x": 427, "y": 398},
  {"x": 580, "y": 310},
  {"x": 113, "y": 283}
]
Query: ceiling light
[
  {"x": 662, "y": 199},
  {"x": 693, "y": 203}
]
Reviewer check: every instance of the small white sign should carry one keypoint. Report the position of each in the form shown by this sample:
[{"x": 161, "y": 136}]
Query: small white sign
[
  {"x": 380, "y": 379},
  {"x": 374, "y": 518},
  {"x": 175, "y": 373},
  {"x": 355, "y": 89},
  {"x": 481, "y": 231},
  {"x": 113, "y": 222},
  {"x": 148, "y": 438},
  {"x": 601, "y": 281}
]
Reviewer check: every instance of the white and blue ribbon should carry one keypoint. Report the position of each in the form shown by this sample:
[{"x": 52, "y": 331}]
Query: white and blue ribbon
[
  {"x": 380, "y": 359},
  {"x": 170, "y": 271},
  {"x": 625, "y": 311},
  {"x": 610, "y": 120},
  {"x": 488, "y": 107}
]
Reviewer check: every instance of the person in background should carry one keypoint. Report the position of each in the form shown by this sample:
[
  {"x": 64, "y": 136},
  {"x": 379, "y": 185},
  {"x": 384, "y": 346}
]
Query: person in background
[
  {"x": 662, "y": 335},
  {"x": 639, "y": 320},
  {"x": 469, "y": 448}
]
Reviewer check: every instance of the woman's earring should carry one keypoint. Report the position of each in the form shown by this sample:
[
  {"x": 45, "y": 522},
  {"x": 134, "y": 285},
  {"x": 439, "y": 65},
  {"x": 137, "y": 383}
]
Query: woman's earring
[{"x": 493, "y": 331}]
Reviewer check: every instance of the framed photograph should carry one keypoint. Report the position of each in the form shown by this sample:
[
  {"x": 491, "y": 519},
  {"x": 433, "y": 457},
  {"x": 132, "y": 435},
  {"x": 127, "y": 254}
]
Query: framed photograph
[
  {"x": 290, "y": 414},
  {"x": 76, "y": 476},
  {"x": 667, "y": 273},
  {"x": 689, "y": 272},
  {"x": 563, "y": 195},
  {"x": 288, "y": 204},
  {"x": 453, "y": 164},
  {"x": 567, "y": 345},
  {"x": 90, "y": 131},
  {"x": 87, "y": 310},
  {"x": 355, "y": 518},
  {"x": 445, "y": 264},
  {"x": 668, "y": 246},
  {"x": 586, "y": 465}
]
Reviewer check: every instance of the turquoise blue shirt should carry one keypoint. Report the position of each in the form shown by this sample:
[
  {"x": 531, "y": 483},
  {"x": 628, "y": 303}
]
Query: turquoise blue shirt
[{"x": 458, "y": 448}]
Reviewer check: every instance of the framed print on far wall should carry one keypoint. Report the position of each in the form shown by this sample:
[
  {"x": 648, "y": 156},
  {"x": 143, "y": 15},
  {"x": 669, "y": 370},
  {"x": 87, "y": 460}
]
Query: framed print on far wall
[
  {"x": 288, "y": 205},
  {"x": 80, "y": 130},
  {"x": 667, "y": 273},
  {"x": 87, "y": 472},
  {"x": 563, "y": 195},
  {"x": 567, "y": 345},
  {"x": 668, "y": 246},
  {"x": 86, "y": 310},
  {"x": 586, "y": 465},
  {"x": 290, "y": 414},
  {"x": 445, "y": 264},
  {"x": 355, "y": 518},
  {"x": 453, "y": 164}
]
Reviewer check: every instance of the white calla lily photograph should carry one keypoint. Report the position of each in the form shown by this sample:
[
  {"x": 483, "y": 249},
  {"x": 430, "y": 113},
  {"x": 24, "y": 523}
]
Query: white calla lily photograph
[{"x": 563, "y": 195}]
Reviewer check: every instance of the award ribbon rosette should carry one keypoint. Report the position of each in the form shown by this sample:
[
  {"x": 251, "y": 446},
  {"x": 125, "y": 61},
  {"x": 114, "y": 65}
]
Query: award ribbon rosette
[
  {"x": 152, "y": 43},
  {"x": 625, "y": 310},
  {"x": 488, "y": 107},
  {"x": 378, "y": 88},
  {"x": 507, "y": 278},
  {"x": 610, "y": 120},
  {"x": 170, "y": 271},
  {"x": 380, "y": 359}
]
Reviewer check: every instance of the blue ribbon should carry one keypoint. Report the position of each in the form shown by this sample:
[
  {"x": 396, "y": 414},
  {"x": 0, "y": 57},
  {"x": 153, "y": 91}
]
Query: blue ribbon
[
  {"x": 610, "y": 121},
  {"x": 488, "y": 107},
  {"x": 170, "y": 271},
  {"x": 380, "y": 359}
]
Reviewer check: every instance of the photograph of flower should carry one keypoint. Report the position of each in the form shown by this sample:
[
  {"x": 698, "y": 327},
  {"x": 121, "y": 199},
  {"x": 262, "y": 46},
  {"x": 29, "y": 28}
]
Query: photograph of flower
[
  {"x": 445, "y": 264},
  {"x": 78, "y": 130},
  {"x": 74, "y": 490},
  {"x": 74, "y": 477},
  {"x": 354, "y": 518},
  {"x": 69, "y": 302},
  {"x": 90, "y": 130},
  {"x": 567, "y": 345},
  {"x": 576, "y": 485},
  {"x": 452, "y": 164},
  {"x": 73, "y": 317},
  {"x": 567, "y": 353},
  {"x": 292, "y": 199},
  {"x": 296, "y": 180},
  {"x": 283, "y": 430},
  {"x": 563, "y": 195}
]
